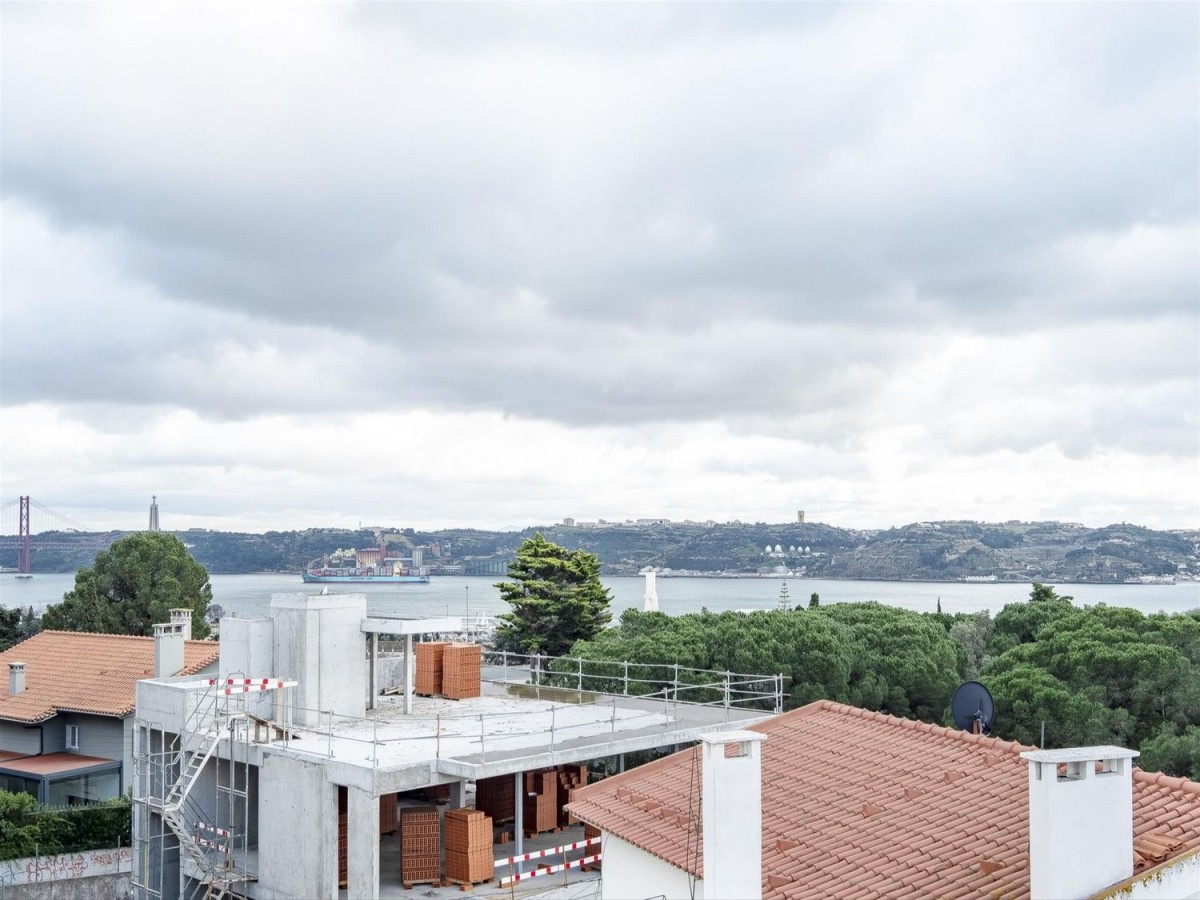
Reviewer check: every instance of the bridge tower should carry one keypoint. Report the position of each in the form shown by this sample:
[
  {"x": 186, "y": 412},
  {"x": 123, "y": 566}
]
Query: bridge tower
[
  {"x": 23, "y": 567},
  {"x": 154, "y": 513}
]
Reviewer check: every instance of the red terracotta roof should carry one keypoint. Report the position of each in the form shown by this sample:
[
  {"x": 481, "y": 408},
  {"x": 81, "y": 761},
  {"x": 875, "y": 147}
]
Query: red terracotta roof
[
  {"x": 860, "y": 804},
  {"x": 71, "y": 671},
  {"x": 54, "y": 763}
]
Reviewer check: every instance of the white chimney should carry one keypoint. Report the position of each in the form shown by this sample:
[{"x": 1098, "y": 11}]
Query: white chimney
[
  {"x": 168, "y": 649},
  {"x": 732, "y": 804},
  {"x": 16, "y": 678},
  {"x": 183, "y": 617},
  {"x": 1080, "y": 820}
]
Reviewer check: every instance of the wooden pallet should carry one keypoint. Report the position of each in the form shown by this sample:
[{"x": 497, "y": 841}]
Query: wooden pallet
[
  {"x": 466, "y": 885},
  {"x": 408, "y": 885}
]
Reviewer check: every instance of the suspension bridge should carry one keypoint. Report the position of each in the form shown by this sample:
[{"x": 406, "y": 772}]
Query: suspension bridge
[{"x": 54, "y": 531}]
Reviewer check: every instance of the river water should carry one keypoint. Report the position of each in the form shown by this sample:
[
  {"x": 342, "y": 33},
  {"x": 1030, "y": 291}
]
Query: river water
[{"x": 250, "y": 595}]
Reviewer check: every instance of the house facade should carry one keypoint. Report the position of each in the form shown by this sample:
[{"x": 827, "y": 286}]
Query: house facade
[
  {"x": 858, "y": 804},
  {"x": 66, "y": 708}
]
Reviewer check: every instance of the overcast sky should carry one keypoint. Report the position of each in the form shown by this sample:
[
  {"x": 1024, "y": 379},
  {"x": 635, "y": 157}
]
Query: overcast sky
[{"x": 449, "y": 264}]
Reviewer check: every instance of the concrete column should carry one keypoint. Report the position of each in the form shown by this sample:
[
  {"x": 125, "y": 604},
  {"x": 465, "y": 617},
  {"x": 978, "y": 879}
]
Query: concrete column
[
  {"x": 294, "y": 799},
  {"x": 408, "y": 674},
  {"x": 373, "y": 680},
  {"x": 362, "y": 844},
  {"x": 458, "y": 794},
  {"x": 519, "y": 817}
]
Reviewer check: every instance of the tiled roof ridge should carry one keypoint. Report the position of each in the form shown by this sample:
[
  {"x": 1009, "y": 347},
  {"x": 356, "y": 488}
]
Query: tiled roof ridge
[
  {"x": 1010, "y": 747},
  {"x": 1163, "y": 780},
  {"x": 109, "y": 634}
]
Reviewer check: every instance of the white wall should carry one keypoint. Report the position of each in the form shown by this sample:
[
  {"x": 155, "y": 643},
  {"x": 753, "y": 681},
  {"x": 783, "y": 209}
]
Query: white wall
[
  {"x": 1180, "y": 881},
  {"x": 630, "y": 872}
]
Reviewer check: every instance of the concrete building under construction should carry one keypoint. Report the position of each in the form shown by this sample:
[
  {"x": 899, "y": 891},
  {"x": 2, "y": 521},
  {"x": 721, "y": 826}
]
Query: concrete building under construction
[{"x": 279, "y": 777}]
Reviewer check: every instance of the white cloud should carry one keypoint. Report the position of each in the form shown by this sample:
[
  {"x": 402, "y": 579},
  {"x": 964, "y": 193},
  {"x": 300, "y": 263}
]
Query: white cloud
[{"x": 440, "y": 264}]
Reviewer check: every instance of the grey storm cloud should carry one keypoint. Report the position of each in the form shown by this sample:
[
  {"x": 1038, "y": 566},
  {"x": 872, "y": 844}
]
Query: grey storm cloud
[{"x": 598, "y": 213}]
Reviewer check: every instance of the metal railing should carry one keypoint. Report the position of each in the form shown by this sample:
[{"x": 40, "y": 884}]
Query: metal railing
[
  {"x": 662, "y": 692},
  {"x": 682, "y": 684}
]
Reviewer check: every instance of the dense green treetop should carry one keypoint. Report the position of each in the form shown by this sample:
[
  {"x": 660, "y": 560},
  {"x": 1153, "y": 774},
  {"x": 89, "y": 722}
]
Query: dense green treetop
[
  {"x": 865, "y": 654},
  {"x": 1097, "y": 675},
  {"x": 132, "y": 586},
  {"x": 555, "y": 596},
  {"x": 1019, "y": 623}
]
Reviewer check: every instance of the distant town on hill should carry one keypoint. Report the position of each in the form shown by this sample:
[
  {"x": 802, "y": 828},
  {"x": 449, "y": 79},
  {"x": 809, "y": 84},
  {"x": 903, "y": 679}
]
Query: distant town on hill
[{"x": 922, "y": 551}]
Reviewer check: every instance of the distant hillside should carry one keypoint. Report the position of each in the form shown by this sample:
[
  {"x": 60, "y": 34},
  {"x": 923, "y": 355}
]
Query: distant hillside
[{"x": 926, "y": 551}]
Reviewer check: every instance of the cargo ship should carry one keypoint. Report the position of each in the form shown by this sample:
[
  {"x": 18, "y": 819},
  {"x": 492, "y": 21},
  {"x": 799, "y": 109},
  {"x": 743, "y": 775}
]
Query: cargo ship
[
  {"x": 368, "y": 566},
  {"x": 330, "y": 576}
]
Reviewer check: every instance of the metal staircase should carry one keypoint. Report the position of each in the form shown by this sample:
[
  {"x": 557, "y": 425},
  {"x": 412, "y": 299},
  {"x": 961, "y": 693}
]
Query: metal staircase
[{"x": 211, "y": 720}]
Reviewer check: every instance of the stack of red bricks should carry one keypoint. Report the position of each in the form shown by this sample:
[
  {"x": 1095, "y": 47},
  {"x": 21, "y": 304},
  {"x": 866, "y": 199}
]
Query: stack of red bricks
[
  {"x": 469, "y": 857},
  {"x": 437, "y": 793},
  {"x": 428, "y": 676},
  {"x": 569, "y": 778},
  {"x": 387, "y": 814},
  {"x": 494, "y": 797},
  {"x": 591, "y": 831},
  {"x": 461, "y": 671},
  {"x": 420, "y": 845},
  {"x": 541, "y": 801}
]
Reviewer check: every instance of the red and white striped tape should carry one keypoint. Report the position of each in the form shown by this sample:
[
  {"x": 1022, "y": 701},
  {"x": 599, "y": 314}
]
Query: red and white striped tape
[
  {"x": 553, "y": 851},
  {"x": 246, "y": 685},
  {"x": 204, "y": 826},
  {"x": 549, "y": 870},
  {"x": 205, "y": 842}
]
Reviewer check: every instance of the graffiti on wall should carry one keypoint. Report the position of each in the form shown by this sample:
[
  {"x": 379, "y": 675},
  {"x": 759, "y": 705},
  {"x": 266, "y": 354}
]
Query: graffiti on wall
[{"x": 63, "y": 866}]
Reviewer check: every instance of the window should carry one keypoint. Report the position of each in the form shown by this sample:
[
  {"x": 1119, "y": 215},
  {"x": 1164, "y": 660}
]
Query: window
[{"x": 72, "y": 737}]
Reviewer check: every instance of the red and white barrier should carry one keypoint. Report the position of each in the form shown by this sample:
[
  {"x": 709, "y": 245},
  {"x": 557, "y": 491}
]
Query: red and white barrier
[
  {"x": 247, "y": 685},
  {"x": 553, "y": 851},
  {"x": 550, "y": 870}
]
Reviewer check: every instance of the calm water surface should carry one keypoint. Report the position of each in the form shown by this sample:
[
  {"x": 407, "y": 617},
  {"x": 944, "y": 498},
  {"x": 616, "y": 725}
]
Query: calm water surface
[{"x": 250, "y": 595}]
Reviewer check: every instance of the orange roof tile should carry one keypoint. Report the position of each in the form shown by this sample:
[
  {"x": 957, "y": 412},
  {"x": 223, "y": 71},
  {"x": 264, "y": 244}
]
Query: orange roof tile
[
  {"x": 857, "y": 802},
  {"x": 72, "y": 671},
  {"x": 53, "y": 763}
]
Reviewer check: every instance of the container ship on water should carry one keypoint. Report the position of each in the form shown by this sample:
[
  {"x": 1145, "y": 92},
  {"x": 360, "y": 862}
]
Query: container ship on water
[
  {"x": 370, "y": 566},
  {"x": 326, "y": 576}
]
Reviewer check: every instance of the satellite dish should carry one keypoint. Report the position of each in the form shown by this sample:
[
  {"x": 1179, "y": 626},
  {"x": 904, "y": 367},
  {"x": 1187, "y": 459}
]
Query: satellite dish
[{"x": 972, "y": 707}]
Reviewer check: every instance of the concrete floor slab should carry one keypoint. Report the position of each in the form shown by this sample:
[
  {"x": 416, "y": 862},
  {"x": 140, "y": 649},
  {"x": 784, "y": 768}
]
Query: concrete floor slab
[{"x": 510, "y": 728}]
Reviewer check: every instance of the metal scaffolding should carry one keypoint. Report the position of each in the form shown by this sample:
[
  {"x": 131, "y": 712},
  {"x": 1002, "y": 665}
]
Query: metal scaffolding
[{"x": 194, "y": 802}]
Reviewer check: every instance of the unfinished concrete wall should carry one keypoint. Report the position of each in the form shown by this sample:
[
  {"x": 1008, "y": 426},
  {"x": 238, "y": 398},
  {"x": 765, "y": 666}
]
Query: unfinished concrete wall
[
  {"x": 247, "y": 651},
  {"x": 297, "y": 814},
  {"x": 318, "y": 641},
  {"x": 102, "y": 887}
]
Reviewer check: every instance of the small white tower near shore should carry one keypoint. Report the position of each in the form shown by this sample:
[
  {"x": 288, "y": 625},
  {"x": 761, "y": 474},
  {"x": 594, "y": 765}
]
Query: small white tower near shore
[{"x": 650, "y": 600}]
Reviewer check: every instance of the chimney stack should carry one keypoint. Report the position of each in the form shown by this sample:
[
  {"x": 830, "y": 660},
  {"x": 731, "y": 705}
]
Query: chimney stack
[
  {"x": 168, "y": 649},
  {"x": 16, "y": 678},
  {"x": 183, "y": 617},
  {"x": 732, "y": 813},
  {"x": 1080, "y": 820}
]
